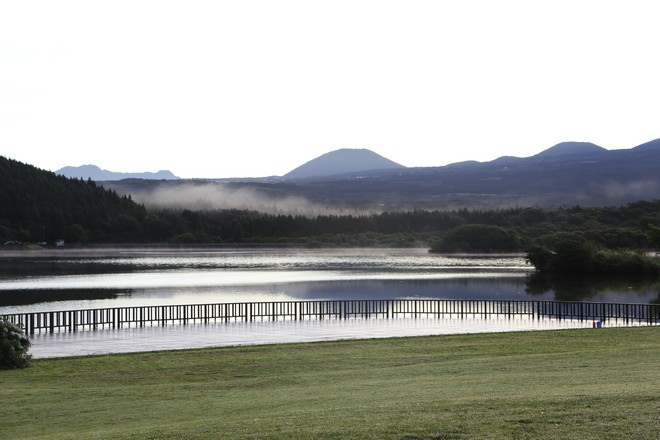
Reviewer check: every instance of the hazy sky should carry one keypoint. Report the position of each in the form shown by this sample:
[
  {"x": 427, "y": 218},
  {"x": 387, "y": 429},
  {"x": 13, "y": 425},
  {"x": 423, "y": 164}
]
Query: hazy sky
[{"x": 255, "y": 88}]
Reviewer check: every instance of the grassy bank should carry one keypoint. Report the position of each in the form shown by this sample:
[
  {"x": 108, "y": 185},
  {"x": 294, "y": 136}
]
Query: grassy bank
[{"x": 554, "y": 384}]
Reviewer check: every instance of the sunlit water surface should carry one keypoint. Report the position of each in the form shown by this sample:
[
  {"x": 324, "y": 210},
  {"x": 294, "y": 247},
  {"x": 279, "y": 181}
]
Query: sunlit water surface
[
  {"x": 72, "y": 280},
  {"x": 193, "y": 277},
  {"x": 118, "y": 278},
  {"x": 274, "y": 332}
]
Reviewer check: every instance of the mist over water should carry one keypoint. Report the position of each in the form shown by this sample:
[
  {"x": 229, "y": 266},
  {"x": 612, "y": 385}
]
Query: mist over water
[
  {"x": 212, "y": 196},
  {"x": 201, "y": 196}
]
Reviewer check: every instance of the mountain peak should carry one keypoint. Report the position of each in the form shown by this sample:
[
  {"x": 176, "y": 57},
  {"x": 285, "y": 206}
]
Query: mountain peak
[
  {"x": 570, "y": 148},
  {"x": 342, "y": 161}
]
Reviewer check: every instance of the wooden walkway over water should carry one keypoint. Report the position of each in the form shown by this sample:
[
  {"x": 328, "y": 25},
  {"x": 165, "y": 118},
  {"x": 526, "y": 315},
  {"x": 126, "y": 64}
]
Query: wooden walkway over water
[{"x": 160, "y": 315}]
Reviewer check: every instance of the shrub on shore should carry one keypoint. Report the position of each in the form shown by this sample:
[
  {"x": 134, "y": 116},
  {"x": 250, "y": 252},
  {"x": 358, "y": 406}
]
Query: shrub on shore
[
  {"x": 580, "y": 256},
  {"x": 14, "y": 345}
]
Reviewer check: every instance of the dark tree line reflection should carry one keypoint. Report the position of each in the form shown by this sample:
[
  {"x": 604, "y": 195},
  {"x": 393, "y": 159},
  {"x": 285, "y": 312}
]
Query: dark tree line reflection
[{"x": 576, "y": 287}]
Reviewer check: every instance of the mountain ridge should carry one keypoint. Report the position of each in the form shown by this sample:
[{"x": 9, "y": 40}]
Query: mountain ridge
[
  {"x": 96, "y": 173},
  {"x": 347, "y": 161},
  {"x": 566, "y": 174},
  {"x": 651, "y": 145}
]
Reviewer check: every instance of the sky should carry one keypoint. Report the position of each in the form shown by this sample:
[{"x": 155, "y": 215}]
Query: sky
[{"x": 218, "y": 89}]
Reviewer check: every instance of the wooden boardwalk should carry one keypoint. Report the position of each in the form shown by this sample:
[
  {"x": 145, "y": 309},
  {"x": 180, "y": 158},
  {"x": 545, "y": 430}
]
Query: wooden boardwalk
[{"x": 161, "y": 315}]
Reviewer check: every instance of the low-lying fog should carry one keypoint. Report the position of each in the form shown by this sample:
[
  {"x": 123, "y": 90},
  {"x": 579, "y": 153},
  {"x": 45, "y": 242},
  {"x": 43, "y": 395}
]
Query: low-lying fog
[{"x": 210, "y": 196}]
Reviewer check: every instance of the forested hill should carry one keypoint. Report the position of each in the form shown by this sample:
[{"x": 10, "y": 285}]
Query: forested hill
[{"x": 39, "y": 206}]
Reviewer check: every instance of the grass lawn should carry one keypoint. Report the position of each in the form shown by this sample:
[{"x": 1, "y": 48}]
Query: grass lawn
[{"x": 601, "y": 384}]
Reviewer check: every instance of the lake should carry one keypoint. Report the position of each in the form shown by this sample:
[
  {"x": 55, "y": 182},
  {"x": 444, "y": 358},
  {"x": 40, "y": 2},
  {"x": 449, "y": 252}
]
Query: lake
[
  {"x": 73, "y": 279},
  {"x": 98, "y": 278}
]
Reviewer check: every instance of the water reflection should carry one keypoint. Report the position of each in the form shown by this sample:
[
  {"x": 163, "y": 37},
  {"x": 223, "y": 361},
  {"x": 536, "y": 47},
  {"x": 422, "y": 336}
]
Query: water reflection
[
  {"x": 333, "y": 288},
  {"x": 249, "y": 333},
  {"x": 16, "y": 268},
  {"x": 595, "y": 287},
  {"x": 68, "y": 281},
  {"x": 492, "y": 287},
  {"x": 28, "y": 297},
  {"x": 101, "y": 262}
]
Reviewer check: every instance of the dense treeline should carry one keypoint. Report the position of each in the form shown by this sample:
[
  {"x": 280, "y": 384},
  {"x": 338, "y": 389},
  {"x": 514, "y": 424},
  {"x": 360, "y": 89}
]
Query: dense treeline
[
  {"x": 39, "y": 206},
  {"x": 504, "y": 230},
  {"x": 36, "y": 206}
]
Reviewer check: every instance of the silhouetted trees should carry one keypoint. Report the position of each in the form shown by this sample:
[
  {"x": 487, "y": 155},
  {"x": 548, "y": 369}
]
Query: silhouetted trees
[
  {"x": 479, "y": 238},
  {"x": 37, "y": 205}
]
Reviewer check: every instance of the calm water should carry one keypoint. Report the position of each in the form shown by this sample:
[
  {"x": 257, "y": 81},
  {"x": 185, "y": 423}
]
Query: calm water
[
  {"x": 73, "y": 279},
  {"x": 273, "y": 332}
]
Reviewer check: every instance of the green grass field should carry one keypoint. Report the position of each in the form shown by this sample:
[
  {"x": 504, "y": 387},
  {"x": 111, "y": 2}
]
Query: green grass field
[{"x": 600, "y": 384}]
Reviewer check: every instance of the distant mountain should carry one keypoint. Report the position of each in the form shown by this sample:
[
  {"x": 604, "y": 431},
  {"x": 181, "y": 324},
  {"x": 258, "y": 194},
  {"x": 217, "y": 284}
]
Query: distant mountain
[
  {"x": 99, "y": 175},
  {"x": 343, "y": 161},
  {"x": 567, "y": 174}
]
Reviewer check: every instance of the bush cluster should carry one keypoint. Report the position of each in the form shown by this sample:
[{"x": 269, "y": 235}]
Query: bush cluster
[
  {"x": 574, "y": 255},
  {"x": 14, "y": 345}
]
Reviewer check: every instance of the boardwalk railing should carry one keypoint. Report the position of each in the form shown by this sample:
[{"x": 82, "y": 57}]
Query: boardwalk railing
[{"x": 123, "y": 317}]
